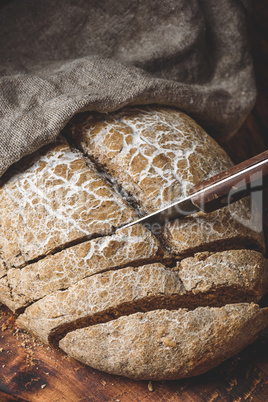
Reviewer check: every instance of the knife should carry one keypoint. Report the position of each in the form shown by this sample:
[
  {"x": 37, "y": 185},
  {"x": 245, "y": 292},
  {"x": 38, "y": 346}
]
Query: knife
[{"x": 216, "y": 192}]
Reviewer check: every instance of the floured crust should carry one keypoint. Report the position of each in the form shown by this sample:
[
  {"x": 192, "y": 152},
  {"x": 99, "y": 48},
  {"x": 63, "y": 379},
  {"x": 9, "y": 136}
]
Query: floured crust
[
  {"x": 246, "y": 270},
  {"x": 221, "y": 278},
  {"x": 132, "y": 245},
  {"x": 223, "y": 229},
  {"x": 52, "y": 198},
  {"x": 166, "y": 345},
  {"x": 157, "y": 154},
  {"x": 65, "y": 264}
]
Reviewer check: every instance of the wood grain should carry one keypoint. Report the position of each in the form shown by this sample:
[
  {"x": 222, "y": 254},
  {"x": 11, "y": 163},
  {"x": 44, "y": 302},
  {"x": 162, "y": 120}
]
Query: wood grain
[{"x": 32, "y": 372}]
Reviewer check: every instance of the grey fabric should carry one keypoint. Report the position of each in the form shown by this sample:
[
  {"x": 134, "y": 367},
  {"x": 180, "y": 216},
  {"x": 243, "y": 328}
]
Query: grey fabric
[{"x": 60, "y": 57}]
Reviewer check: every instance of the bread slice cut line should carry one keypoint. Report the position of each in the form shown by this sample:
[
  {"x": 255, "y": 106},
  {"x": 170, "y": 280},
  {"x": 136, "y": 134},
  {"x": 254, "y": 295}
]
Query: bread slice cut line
[
  {"x": 192, "y": 290},
  {"x": 237, "y": 240},
  {"x": 22, "y": 261},
  {"x": 106, "y": 296},
  {"x": 99, "y": 137},
  {"x": 52, "y": 198},
  {"x": 49, "y": 274},
  {"x": 131, "y": 246},
  {"x": 158, "y": 138}
]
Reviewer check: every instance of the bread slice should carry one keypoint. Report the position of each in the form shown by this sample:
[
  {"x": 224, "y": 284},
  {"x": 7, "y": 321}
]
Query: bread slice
[
  {"x": 166, "y": 345},
  {"x": 228, "y": 228},
  {"x": 51, "y": 199},
  {"x": 133, "y": 245},
  {"x": 221, "y": 278}
]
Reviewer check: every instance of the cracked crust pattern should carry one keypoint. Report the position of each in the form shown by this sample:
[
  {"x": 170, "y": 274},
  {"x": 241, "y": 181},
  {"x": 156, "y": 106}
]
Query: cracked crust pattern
[
  {"x": 149, "y": 287},
  {"x": 184, "y": 343},
  {"x": 99, "y": 294},
  {"x": 65, "y": 264},
  {"x": 54, "y": 198},
  {"x": 59, "y": 271},
  {"x": 244, "y": 269},
  {"x": 157, "y": 155},
  {"x": 220, "y": 229}
]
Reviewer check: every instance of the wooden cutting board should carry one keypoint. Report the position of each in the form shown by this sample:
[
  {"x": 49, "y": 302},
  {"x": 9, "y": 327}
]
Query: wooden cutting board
[{"x": 33, "y": 372}]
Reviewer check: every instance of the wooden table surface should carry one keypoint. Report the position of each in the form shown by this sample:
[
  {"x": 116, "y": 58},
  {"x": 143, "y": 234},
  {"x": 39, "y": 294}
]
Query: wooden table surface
[{"x": 33, "y": 372}]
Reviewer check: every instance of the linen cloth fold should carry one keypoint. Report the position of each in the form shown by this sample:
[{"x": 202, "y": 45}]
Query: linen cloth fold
[{"x": 61, "y": 57}]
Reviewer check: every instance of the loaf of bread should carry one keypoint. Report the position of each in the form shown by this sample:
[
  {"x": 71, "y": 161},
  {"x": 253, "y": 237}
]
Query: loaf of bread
[{"x": 124, "y": 300}]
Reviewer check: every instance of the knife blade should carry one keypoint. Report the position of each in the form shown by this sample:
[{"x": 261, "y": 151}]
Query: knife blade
[{"x": 214, "y": 193}]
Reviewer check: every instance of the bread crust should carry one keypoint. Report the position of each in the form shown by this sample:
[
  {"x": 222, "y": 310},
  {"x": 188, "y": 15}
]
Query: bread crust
[
  {"x": 53, "y": 198},
  {"x": 182, "y": 344},
  {"x": 157, "y": 154},
  {"x": 134, "y": 245},
  {"x": 155, "y": 307},
  {"x": 221, "y": 278}
]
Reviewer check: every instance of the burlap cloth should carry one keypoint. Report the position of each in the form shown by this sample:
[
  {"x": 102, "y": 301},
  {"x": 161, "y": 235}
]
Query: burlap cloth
[{"x": 60, "y": 57}]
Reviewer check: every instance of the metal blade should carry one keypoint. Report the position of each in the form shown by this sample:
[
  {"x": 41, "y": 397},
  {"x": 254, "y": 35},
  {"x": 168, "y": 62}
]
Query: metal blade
[{"x": 155, "y": 220}]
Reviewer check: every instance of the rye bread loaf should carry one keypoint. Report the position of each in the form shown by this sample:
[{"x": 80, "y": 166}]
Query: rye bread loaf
[{"x": 127, "y": 301}]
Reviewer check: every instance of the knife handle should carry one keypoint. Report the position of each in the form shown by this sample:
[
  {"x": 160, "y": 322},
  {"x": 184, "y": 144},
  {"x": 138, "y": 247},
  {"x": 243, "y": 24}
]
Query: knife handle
[{"x": 231, "y": 185}]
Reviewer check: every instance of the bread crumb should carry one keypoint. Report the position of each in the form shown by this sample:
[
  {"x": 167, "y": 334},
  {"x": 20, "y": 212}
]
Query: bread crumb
[
  {"x": 43, "y": 386},
  {"x": 150, "y": 386}
]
